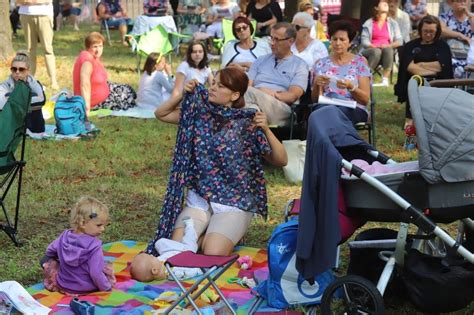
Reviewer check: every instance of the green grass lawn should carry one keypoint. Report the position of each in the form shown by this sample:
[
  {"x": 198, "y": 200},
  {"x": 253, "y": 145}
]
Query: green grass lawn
[{"x": 127, "y": 165}]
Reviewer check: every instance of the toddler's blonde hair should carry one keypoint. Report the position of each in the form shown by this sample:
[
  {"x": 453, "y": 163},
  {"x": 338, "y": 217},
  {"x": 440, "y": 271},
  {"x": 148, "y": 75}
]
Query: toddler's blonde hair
[{"x": 85, "y": 209}]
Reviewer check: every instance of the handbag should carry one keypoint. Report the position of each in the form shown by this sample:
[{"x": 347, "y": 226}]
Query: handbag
[
  {"x": 296, "y": 150},
  {"x": 459, "y": 49}
]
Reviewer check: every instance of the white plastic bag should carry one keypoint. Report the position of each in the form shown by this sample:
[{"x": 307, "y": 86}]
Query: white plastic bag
[{"x": 296, "y": 150}]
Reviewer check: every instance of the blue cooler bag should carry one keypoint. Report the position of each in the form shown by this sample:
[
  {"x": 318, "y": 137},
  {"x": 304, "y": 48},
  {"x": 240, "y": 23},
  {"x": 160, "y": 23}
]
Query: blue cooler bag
[{"x": 285, "y": 286}]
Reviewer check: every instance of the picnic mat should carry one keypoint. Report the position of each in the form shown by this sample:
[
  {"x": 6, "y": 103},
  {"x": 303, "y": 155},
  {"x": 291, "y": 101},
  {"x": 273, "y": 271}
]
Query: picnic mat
[
  {"x": 133, "y": 297},
  {"x": 50, "y": 134},
  {"x": 135, "y": 112}
]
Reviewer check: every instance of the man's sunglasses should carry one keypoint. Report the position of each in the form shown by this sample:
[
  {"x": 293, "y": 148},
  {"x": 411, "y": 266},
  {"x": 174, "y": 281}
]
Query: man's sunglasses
[
  {"x": 299, "y": 27},
  {"x": 241, "y": 29},
  {"x": 20, "y": 69}
]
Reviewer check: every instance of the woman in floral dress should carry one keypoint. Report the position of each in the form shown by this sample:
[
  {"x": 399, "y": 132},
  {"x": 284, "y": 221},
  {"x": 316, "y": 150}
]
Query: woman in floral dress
[{"x": 343, "y": 75}]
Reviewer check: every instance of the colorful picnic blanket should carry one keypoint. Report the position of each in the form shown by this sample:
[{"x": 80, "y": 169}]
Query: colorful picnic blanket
[{"x": 133, "y": 297}]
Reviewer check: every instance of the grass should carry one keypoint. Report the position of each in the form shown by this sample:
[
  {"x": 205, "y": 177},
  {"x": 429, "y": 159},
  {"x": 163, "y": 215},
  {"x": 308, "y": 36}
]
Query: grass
[{"x": 126, "y": 166}]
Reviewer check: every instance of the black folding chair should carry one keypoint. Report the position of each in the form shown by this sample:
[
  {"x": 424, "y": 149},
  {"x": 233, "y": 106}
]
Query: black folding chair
[
  {"x": 369, "y": 126},
  {"x": 12, "y": 133}
]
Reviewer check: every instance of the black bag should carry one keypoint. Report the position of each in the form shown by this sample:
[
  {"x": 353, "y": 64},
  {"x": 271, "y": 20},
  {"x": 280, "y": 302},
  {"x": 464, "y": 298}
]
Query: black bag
[{"x": 437, "y": 285}]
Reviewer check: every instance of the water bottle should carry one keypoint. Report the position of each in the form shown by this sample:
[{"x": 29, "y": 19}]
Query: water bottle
[{"x": 410, "y": 137}]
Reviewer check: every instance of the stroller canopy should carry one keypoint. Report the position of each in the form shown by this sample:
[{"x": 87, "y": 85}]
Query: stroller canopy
[{"x": 444, "y": 119}]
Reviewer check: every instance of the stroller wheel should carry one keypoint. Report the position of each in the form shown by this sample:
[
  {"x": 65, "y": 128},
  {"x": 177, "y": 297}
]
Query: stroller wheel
[{"x": 352, "y": 295}]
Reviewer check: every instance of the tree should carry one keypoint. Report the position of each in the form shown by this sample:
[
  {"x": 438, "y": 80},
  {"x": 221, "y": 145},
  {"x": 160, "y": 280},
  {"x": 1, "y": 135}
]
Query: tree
[{"x": 6, "y": 48}]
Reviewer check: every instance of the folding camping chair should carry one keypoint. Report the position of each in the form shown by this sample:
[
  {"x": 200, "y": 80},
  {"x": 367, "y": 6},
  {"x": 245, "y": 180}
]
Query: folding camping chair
[
  {"x": 212, "y": 268},
  {"x": 369, "y": 125},
  {"x": 12, "y": 132}
]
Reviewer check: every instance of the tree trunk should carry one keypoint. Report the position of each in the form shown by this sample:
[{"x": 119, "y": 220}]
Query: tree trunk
[{"x": 6, "y": 48}]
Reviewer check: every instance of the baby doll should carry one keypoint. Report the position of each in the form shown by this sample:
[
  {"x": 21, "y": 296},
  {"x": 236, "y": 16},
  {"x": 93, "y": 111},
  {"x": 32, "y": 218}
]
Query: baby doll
[
  {"x": 74, "y": 262},
  {"x": 146, "y": 268}
]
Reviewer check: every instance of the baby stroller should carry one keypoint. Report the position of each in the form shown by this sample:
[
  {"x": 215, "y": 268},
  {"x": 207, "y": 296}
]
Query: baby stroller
[{"x": 441, "y": 184}]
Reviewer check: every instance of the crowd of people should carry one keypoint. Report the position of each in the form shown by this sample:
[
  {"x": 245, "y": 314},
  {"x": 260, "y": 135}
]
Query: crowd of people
[{"x": 267, "y": 67}]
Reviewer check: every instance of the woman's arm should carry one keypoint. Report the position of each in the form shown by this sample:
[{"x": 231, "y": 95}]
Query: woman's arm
[
  {"x": 268, "y": 23},
  {"x": 449, "y": 33},
  {"x": 244, "y": 66},
  {"x": 360, "y": 93},
  {"x": 431, "y": 65},
  {"x": 417, "y": 68},
  {"x": 86, "y": 72},
  {"x": 278, "y": 156},
  {"x": 170, "y": 112},
  {"x": 178, "y": 84},
  {"x": 38, "y": 97}
]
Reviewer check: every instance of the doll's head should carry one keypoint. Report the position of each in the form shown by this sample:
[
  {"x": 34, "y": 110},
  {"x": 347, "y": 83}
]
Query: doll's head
[
  {"x": 89, "y": 216},
  {"x": 146, "y": 268}
]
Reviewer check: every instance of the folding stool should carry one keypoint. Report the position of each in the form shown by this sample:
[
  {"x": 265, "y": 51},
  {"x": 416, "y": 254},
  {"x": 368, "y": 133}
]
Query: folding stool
[{"x": 211, "y": 266}]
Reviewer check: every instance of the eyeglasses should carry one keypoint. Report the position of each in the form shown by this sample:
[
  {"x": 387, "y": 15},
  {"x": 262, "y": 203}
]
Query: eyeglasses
[
  {"x": 428, "y": 32},
  {"x": 460, "y": 1},
  {"x": 299, "y": 27},
  {"x": 275, "y": 39},
  {"x": 241, "y": 29},
  {"x": 20, "y": 69}
]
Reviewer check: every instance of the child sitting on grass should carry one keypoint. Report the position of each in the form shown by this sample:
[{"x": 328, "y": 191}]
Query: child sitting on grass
[
  {"x": 74, "y": 262},
  {"x": 146, "y": 268},
  {"x": 156, "y": 82}
]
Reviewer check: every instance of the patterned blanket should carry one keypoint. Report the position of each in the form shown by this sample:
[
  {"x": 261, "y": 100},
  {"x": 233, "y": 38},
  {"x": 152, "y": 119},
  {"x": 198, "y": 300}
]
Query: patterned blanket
[{"x": 133, "y": 297}]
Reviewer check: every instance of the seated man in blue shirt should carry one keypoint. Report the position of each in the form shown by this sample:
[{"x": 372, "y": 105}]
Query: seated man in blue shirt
[{"x": 279, "y": 79}]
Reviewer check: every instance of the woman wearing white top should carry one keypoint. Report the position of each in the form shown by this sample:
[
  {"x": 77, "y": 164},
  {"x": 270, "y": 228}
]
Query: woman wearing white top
[
  {"x": 305, "y": 47},
  {"x": 196, "y": 66},
  {"x": 156, "y": 82},
  {"x": 243, "y": 51}
]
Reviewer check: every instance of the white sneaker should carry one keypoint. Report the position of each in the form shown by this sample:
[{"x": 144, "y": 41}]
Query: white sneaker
[{"x": 383, "y": 83}]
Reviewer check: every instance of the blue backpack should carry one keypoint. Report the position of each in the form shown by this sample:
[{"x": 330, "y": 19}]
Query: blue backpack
[
  {"x": 285, "y": 287},
  {"x": 70, "y": 115}
]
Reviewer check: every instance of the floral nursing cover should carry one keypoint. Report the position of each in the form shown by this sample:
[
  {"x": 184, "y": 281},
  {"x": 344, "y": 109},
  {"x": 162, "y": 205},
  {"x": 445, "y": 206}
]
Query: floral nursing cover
[{"x": 218, "y": 155}]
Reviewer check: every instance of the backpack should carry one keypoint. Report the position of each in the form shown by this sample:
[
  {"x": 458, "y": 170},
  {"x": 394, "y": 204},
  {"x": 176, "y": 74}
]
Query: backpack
[
  {"x": 285, "y": 286},
  {"x": 70, "y": 115}
]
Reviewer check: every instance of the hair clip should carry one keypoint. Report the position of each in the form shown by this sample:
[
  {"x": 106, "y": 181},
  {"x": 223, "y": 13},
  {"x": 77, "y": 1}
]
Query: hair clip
[{"x": 93, "y": 215}]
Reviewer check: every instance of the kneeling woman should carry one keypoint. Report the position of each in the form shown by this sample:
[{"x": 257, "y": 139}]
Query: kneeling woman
[{"x": 218, "y": 160}]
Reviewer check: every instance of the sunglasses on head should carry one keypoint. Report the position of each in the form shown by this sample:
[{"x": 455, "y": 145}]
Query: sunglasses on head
[
  {"x": 241, "y": 29},
  {"x": 20, "y": 69},
  {"x": 299, "y": 27}
]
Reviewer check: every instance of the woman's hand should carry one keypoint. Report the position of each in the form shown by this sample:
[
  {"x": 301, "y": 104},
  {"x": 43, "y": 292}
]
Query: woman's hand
[
  {"x": 345, "y": 84},
  {"x": 260, "y": 120},
  {"x": 190, "y": 85},
  {"x": 322, "y": 80}
]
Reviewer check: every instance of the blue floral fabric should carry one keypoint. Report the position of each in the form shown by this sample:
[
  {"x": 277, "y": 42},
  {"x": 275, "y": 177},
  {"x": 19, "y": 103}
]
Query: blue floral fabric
[
  {"x": 218, "y": 155},
  {"x": 463, "y": 27}
]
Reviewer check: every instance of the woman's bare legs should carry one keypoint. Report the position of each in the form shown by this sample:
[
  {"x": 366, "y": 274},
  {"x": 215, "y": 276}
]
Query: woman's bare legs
[{"x": 217, "y": 244}]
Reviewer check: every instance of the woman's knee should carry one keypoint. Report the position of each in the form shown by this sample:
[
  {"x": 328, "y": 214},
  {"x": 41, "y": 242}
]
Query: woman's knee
[{"x": 217, "y": 244}]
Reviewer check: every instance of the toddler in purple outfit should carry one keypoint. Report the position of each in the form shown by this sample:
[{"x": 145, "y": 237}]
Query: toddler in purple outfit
[{"x": 74, "y": 262}]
